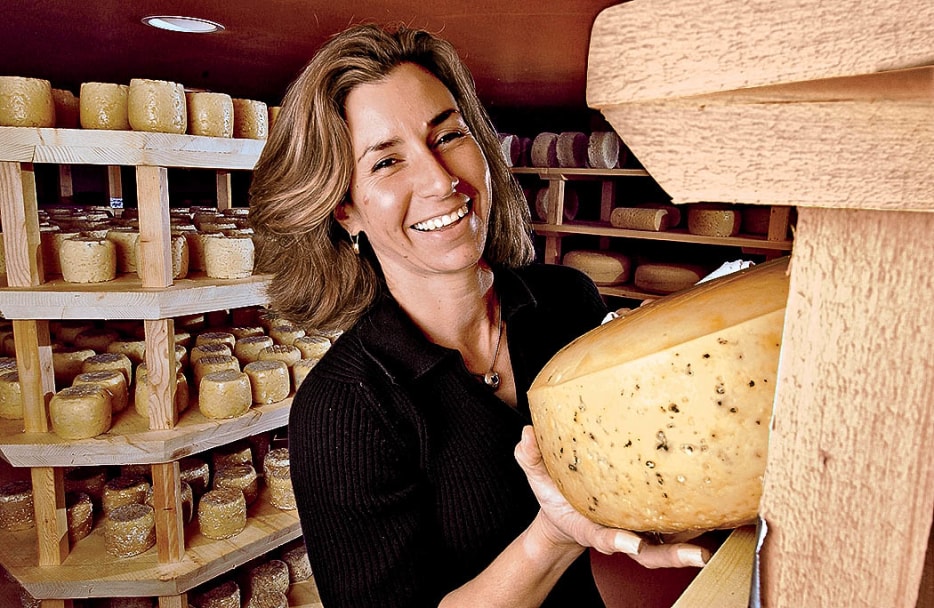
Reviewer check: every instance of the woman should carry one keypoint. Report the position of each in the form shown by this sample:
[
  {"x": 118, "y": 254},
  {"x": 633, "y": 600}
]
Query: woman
[{"x": 386, "y": 210}]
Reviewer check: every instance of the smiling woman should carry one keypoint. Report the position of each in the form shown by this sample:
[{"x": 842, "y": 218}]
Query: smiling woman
[{"x": 386, "y": 210}]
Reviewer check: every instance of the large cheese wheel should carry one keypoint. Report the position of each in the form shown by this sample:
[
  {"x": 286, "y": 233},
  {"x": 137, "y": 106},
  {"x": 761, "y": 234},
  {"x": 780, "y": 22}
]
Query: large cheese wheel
[
  {"x": 713, "y": 220},
  {"x": 603, "y": 267},
  {"x": 26, "y": 102},
  {"x": 103, "y": 105},
  {"x": 659, "y": 421},
  {"x": 210, "y": 114},
  {"x": 88, "y": 260},
  {"x": 80, "y": 412},
  {"x": 157, "y": 105},
  {"x": 269, "y": 381},
  {"x": 665, "y": 278},
  {"x": 228, "y": 257}
]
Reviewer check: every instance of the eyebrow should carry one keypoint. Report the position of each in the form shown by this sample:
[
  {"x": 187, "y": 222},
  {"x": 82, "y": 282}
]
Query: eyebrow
[{"x": 438, "y": 119}]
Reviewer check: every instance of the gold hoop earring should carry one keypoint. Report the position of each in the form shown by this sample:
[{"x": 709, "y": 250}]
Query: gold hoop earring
[{"x": 355, "y": 243}]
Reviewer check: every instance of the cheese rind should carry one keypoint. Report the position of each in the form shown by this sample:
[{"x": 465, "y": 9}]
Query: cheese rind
[
  {"x": 603, "y": 267},
  {"x": 663, "y": 278},
  {"x": 640, "y": 218},
  {"x": 112, "y": 381},
  {"x": 225, "y": 394},
  {"x": 240, "y": 477},
  {"x": 11, "y": 396},
  {"x": 26, "y": 102},
  {"x": 88, "y": 260},
  {"x": 228, "y": 257},
  {"x": 129, "y": 530},
  {"x": 104, "y": 105},
  {"x": 210, "y": 114},
  {"x": 545, "y": 150},
  {"x": 571, "y": 149},
  {"x": 713, "y": 220},
  {"x": 269, "y": 381},
  {"x": 157, "y": 106},
  {"x": 658, "y": 421},
  {"x": 222, "y": 513},
  {"x": 251, "y": 119},
  {"x": 80, "y": 412},
  {"x": 16, "y": 506}
]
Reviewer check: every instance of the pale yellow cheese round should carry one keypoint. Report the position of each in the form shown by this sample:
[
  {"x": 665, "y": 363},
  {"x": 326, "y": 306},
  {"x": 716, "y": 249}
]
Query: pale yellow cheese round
[
  {"x": 222, "y": 513},
  {"x": 16, "y": 506},
  {"x": 129, "y": 530},
  {"x": 124, "y": 490},
  {"x": 713, "y": 220},
  {"x": 640, "y": 218},
  {"x": 11, "y": 396},
  {"x": 666, "y": 278},
  {"x": 251, "y": 119},
  {"x": 247, "y": 349},
  {"x": 658, "y": 421},
  {"x": 286, "y": 353},
  {"x": 135, "y": 350},
  {"x": 103, "y": 105},
  {"x": 215, "y": 363},
  {"x": 312, "y": 346},
  {"x": 277, "y": 473},
  {"x": 246, "y": 331},
  {"x": 300, "y": 370},
  {"x": 79, "y": 514},
  {"x": 109, "y": 361},
  {"x": 286, "y": 333},
  {"x": 113, "y": 381},
  {"x": 210, "y": 114},
  {"x": 603, "y": 267},
  {"x": 95, "y": 338},
  {"x": 228, "y": 257},
  {"x": 269, "y": 381},
  {"x": 157, "y": 106},
  {"x": 240, "y": 477},
  {"x": 88, "y": 260},
  {"x": 80, "y": 412},
  {"x": 225, "y": 394},
  {"x": 216, "y": 337},
  {"x": 212, "y": 349},
  {"x": 124, "y": 240},
  {"x": 67, "y": 112},
  {"x": 26, "y": 102}
]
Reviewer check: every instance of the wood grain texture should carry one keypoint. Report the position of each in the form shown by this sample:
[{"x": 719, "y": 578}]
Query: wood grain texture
[
  {"x": 154, "y": 259},
  {"x": 849, "y": 486},
  {"x": 658, "y": 49},
  {"x": 18, "y": 210},
  {"x": 167, "y": 504},
  {"x": 726, "y": 579}
]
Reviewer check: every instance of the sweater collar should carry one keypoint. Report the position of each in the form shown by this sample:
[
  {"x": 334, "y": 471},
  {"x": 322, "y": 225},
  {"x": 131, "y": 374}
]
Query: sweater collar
[{"x": 390, "y": 337}]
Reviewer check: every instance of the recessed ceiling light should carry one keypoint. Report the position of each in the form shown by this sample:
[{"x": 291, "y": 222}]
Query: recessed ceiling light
[{"x": 178, "y": 23}]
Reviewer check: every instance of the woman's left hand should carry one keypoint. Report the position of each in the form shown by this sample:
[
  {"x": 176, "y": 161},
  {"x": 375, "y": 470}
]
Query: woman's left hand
[{"x": 567, "y": 525}]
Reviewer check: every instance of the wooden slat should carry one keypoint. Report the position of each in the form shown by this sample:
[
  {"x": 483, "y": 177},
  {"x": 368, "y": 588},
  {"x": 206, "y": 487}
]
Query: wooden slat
[
  {"x": 849, "y": 456},
  {"x": 659, "y": 49},
  {"x": 115, "y": 187},
  {"x": 167, "y": 503},
  {"x": 18, "y": 210},
  {"x": 161, "y": 373},
  {"x": 678, "y": 236},
  {"x": 154, "y": 261},
  {"x": 224, "y": 190},
  {"x": 128, "y": 148},
  {"x": 725, "y": 581},
  {"x": 48, "y": 496}
]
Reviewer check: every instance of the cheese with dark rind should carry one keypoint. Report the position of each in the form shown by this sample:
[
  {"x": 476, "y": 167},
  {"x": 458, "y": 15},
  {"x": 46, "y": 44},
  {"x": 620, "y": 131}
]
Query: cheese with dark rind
[{"x": 658, "y": 421}]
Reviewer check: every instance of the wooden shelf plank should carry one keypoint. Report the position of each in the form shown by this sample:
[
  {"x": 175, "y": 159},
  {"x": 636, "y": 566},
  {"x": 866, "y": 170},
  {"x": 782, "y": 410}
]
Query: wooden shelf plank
[
  {"x": 680, "y": 236},
  {"x": 568, "y": 173},
  {"x": 128, "y": 148},
  {"x": 125, "y": 298},
  {"x": 89, "y": 571},
  {"x": 626, "y": 290},
  {"x": 130, "y": 441}
]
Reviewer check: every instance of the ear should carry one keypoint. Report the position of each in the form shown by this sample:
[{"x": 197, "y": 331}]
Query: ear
[{"x": 345, "y": 215}]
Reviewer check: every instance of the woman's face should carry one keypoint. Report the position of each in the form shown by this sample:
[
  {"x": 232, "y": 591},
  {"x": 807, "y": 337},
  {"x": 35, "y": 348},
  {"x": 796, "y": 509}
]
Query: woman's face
[{"x": 421, "y": 186}]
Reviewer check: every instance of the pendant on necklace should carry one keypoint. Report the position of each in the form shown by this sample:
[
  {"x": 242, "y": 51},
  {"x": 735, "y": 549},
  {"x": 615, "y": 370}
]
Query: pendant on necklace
[{"x": 491, "y": 379}]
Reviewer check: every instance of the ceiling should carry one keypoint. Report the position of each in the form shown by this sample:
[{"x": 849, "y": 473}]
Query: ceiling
[{"x": 523, "y": 53}]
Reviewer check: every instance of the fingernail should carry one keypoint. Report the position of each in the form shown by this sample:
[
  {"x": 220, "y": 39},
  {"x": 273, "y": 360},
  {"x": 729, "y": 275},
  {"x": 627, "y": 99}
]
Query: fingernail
[
  {"x": 693, "y": 556},
  {"x": 627, "y": 543}
]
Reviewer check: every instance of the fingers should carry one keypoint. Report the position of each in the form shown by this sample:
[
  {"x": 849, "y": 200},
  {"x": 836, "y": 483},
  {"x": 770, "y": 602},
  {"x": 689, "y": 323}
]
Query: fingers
[{"x": 672, "y": 556}]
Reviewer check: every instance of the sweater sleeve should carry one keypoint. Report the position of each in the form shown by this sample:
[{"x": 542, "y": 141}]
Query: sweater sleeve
[{"x": 359, "y": 495}]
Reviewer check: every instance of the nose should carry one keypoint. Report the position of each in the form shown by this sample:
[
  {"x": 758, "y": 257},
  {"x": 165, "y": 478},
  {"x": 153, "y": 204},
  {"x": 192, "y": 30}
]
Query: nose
[{"x": 435, "y": 178}]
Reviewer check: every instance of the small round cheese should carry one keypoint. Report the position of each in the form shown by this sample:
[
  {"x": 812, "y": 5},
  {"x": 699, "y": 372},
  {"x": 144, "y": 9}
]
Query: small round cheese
[
  {"x": 68, "y": 362},
  {"x": 96, "y": 339},
  {"x": 225, "y": 394},
  {"x": 157, "y": 106},
  {"x": 103, "y": 105},
  {"x": 216, "y": 337},
  {"x": 286, "y": 333},
  {"x": 246, "y": 331},
  {"x": 239, "y": 477},
  {"x": 80, "y": 412},
  {"x": 268, "y": 576},
  {"x": 222, "y": 513},
  {"x": 545, "y": 150},
  {"x": 79, "y": 513},
  {"x": 88, "y": 260},
  {"x": 67, "y": 112},
  {"x": 26, "y": 102},
  {"x": 215, "y": 363},
  {"x": 312, "y": 346},
  {"x": 178, "y": 249},
  {"x": 135, "y": 350},
  {"x": 109, "y": 361},
  {"x": 239, "y": 452},
  {"x": 300, "y": 370},
  {"x": 221, "y": 595},
  {"x": 124, "y": 240},
  {"x": 281, "y": 352},
  {"x": 11, "y": 396},
  {"x": 247, "y": 349},
  {"x": 212, "y": 349},
  {"x": 603, "y": 267},
  {"x": 210, "y": 114},
  {"x": 87, "y": 480},
  {"x": 124, "y": 490},
  {"x": 196, "y": 473},
  {"x": 603, "y": 150},
  {"x": 665, "y": 278},
  {"x": 267, "y": 599},
  {"x": 269, "y": 381},
  {"x": 129, "y": 530},
  {"x": 16, "y": 506},
  {"x": 713, "y": 220},
  {"x": 571, "y": 149},
  {"x": 251, "y": 119},
  {"x": 113, "y": 381},
  {"x": 296, "y": 558},
  {"x": 277, "y": 473},
  {"x": 640, "y": 218},
  {"x": 229, "y": 257}
]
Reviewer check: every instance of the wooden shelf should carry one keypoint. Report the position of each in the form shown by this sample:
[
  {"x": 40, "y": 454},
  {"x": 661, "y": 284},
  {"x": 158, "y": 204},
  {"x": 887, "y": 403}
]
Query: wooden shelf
[
  {"x": 130, "y": 441},
  {"x": 125, "y": 298},
  {"x": 626, "y": 290},
  {"x": 567, "y": 173},
  {"x": 127, "y": 148},
  {"x": 89, "y": 571},
  {"x": 680, "y": 236},
  {"x": 304, "y": 594}
]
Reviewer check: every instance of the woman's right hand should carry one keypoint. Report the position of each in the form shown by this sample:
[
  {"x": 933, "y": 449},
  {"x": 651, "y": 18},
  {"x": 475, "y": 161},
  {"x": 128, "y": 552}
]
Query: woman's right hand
[{"x": 565, "y": 525}]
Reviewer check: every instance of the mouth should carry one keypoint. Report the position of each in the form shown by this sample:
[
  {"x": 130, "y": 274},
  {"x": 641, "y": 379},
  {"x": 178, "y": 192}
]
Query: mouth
[{"x": 443, "y": 221}]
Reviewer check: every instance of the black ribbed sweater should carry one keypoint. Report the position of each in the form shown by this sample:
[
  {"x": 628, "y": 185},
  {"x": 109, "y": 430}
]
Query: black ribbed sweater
[{"x": 402, "y": 461}]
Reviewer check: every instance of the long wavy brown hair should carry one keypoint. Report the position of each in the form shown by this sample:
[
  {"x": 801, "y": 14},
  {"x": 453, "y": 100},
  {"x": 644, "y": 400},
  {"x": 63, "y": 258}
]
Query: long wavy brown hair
[{"x": 305, "y": 169}]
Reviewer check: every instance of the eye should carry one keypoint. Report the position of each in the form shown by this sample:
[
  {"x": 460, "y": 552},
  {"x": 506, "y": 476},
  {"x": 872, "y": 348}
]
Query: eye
[
  {"x": 384, "y": 163},
  {"x": 450, "y": 136}
]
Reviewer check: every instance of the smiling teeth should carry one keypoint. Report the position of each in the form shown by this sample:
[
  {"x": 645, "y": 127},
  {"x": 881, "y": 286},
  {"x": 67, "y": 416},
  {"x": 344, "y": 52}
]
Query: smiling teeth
[{"x": 441, "y": 221}]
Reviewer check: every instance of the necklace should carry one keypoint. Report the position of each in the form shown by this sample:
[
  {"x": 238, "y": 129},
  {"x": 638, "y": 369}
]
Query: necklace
[{"x": 491, "y": 377}]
